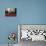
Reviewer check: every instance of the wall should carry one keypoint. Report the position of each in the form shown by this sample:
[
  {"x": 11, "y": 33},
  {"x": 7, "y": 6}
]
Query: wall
[{"x": 28, "y": 12}]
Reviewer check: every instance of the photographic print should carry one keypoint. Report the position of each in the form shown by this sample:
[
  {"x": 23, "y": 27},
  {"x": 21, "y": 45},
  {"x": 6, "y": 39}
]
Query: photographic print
[{"x": 10, "y": 12}]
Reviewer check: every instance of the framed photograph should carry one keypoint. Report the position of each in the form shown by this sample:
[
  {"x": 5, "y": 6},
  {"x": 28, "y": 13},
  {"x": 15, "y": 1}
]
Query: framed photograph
[{"x": 10, "y": 12}]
